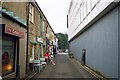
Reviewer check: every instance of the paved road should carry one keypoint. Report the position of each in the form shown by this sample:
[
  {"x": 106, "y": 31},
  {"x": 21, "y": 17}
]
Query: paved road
[{"x": 64, "y": 68}]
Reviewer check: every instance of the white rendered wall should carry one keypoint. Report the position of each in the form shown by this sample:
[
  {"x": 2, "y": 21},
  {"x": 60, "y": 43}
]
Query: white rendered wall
[{"x": 81, "y": 12}]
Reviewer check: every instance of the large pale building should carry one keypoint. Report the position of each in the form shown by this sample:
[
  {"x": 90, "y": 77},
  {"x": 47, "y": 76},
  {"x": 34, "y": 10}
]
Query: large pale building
[{"x": 93, "y": 34}]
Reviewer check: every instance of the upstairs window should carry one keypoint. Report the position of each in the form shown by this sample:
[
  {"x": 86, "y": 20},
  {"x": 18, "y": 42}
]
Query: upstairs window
[
  {"x": 43, "y": 25},
  {"x": 31, "y": 13}
]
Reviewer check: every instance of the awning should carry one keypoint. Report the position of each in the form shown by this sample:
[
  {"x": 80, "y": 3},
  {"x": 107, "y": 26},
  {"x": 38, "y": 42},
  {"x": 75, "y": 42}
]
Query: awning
[
  {"x": 11, "y": 15},
  {"x": 39, "y": 43},
  {"x": 33, "y": 42}
]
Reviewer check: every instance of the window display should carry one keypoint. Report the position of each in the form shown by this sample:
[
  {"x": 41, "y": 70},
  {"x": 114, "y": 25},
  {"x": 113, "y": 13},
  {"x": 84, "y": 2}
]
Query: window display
[{"x": 8, "y": 56}]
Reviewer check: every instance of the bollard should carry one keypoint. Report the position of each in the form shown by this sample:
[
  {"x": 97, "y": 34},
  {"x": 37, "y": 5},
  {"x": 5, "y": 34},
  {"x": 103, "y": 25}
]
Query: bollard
[{"x": 71, "y": 55}]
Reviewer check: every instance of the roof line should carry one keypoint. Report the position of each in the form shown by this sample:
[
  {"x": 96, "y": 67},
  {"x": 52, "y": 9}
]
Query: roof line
[{"x": 44, "y": 16}]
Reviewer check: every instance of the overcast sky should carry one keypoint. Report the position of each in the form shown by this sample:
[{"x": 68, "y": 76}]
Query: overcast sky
[{"x": 56, "y": 13}]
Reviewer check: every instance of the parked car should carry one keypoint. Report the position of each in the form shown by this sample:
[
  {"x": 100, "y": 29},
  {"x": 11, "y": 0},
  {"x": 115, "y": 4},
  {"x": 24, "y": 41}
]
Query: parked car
[{"x": 66, "y": 50}]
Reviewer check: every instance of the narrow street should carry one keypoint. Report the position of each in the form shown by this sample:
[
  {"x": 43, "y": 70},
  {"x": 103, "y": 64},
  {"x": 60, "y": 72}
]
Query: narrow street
[
  {"x": 33, "y": 30},
  {"x": 64, "y": 68}
]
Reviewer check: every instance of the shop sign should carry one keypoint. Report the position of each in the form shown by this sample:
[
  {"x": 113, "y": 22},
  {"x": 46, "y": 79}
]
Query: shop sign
[
  {"x": 47, "y": 35},
  {"x": 39, "y": 40},
  {"x": 14, "y": 32}
]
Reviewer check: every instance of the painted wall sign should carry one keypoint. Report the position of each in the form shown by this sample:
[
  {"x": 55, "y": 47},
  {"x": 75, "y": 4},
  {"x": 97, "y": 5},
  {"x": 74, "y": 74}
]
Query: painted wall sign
[{"x": 14, "y": 32}]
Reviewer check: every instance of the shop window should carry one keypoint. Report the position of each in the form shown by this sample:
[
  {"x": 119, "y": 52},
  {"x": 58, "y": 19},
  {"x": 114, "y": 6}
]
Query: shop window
[
  {"x": 8, "y": 56},
  {"x": 43, "y": 25}
]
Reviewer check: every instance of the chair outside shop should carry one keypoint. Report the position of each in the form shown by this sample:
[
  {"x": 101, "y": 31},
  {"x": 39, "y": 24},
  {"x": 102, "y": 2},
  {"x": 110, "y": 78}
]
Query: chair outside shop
[{"x": 37, "y": 63}]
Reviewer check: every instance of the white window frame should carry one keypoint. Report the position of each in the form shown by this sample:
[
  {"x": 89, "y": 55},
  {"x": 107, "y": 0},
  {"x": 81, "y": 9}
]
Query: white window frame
[
  {"x": 31, "y": 13},
  {"x": 43, "y": 25},
  {"x": 33, "y": 52}
]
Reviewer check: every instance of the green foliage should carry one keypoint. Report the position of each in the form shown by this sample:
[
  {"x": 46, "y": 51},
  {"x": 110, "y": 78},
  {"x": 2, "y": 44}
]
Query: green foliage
[{"x": 62, "y": 40}]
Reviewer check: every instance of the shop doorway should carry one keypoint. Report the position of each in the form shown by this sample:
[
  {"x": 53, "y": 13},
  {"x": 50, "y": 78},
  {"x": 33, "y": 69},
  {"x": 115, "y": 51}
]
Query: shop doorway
[{"x": 17, "y": 62}]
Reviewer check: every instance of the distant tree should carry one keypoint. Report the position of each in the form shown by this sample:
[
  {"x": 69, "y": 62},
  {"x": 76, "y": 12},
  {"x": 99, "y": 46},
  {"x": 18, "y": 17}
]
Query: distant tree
[{"x": 62, "y": 40}]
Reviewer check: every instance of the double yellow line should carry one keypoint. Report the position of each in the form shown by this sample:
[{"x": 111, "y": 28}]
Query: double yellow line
[{"x": 95, "y": 74}]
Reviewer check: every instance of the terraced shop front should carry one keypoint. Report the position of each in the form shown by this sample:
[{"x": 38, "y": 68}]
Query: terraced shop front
[{"x": 13, "y": 40}]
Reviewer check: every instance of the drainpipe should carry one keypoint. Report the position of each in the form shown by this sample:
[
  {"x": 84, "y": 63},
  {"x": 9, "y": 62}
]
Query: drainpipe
[
  {"x": 27, "y": 36},
  {"x": 67, "y": 21}
]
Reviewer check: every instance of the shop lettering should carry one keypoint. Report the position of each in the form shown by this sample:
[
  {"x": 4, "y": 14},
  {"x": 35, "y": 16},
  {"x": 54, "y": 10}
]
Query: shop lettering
[{"x": 15, "y": 32}]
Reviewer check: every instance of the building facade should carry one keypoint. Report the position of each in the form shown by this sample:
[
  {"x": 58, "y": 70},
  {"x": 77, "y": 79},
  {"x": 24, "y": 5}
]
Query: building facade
[
  {"x": 93, "y": 34},
  {"x": 51, "y": 42},
  {"x": 39, "y": 34},
  {"x": 23, "y": 37},
  {"x": 27, "y": 35},
  {"x": 14, "y": 40}
]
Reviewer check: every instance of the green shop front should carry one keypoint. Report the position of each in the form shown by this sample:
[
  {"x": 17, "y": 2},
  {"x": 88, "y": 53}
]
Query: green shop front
[{"x": 13, "y": 41}]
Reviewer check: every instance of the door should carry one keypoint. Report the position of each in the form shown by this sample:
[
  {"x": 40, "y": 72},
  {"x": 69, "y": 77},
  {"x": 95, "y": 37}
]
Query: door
[
  {"x": 83, "y": 56},
  {"x": 17, "y": 60}
]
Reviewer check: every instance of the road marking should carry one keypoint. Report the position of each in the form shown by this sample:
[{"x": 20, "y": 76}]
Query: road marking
[{"x": 99, "y": 77}]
